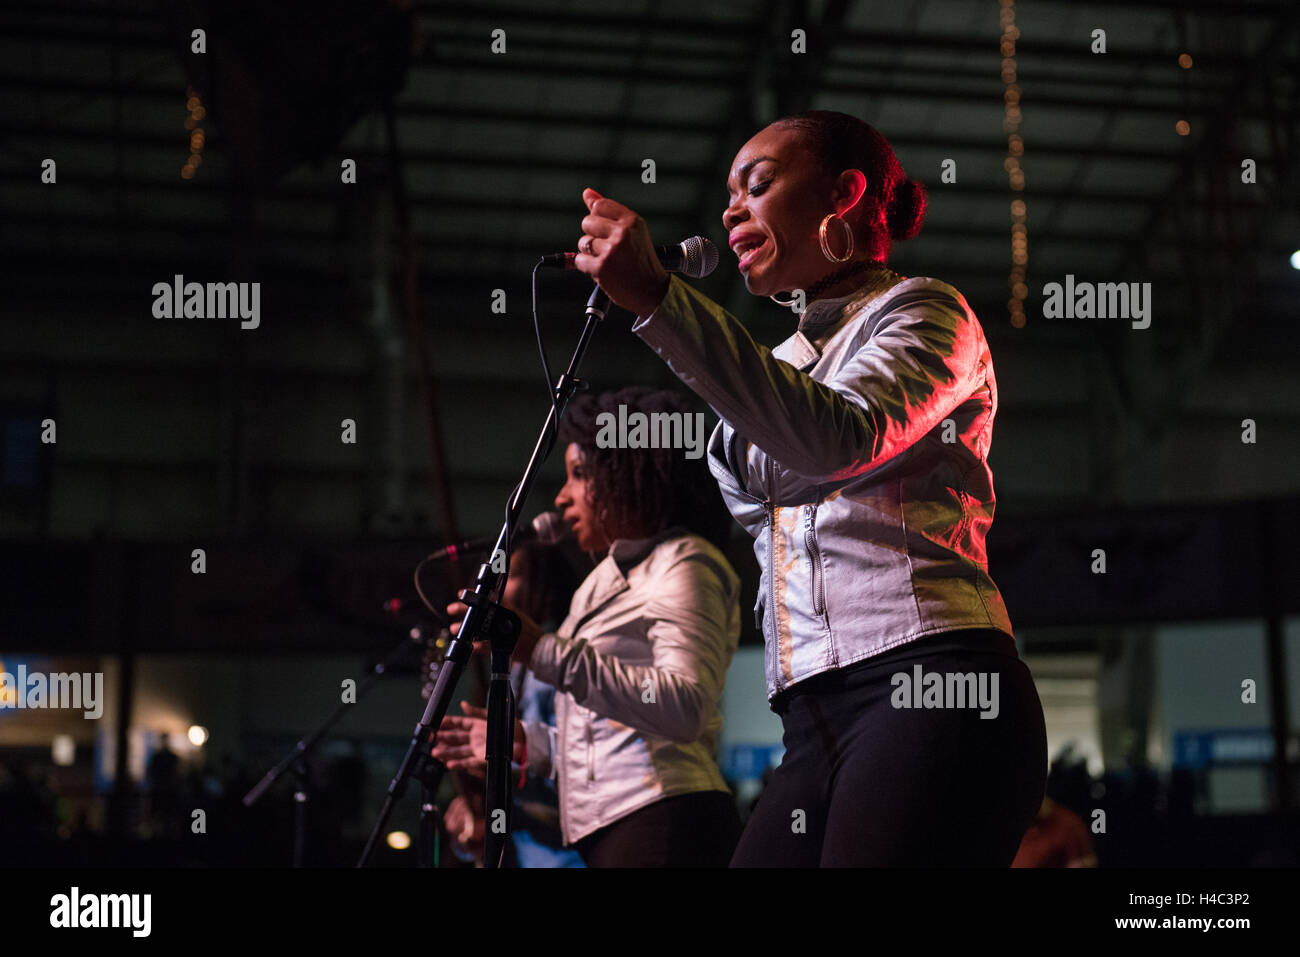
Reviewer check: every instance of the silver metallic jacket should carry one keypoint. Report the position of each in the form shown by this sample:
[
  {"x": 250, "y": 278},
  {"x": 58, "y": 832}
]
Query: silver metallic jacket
[
  {"x": 638, "y": 667},
  {"x": 855, "y": 453}
]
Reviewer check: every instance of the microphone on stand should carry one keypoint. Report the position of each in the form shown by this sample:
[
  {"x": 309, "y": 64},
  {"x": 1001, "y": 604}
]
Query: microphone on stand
[
  {"x": 548, "y": 528},
  {"x": 695, "y": 257}
]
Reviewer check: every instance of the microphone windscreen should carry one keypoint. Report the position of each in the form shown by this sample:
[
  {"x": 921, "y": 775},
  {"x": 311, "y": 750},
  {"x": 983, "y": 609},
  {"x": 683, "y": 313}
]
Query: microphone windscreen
[
  {"x": 700, "y": 257},
  {"x": 550, "y": 528}
]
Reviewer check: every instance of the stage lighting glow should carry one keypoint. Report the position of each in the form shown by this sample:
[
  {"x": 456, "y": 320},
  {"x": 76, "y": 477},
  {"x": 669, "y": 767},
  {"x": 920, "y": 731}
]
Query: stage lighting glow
[
  {"x": 1295, "y": 259},
  {"x": 399, "y": 840},
  {"x": 64, "y": 750},
  {"x": 198, "y": 735}
]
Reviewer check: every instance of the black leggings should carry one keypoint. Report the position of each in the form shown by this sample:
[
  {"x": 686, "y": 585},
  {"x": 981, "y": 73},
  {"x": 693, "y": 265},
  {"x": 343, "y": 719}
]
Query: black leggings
[
  {"x": 867, "y": 784},
  {"x": 698, "y": 829}
]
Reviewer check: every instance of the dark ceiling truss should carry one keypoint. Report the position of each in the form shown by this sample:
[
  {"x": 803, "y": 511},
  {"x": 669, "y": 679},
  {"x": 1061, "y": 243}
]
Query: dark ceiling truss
[
  {"x": 838, "y": 51},
  {"x": 954, "y": 144},
  {"x": 1210, "y": 222},
  {"x": 312, "y": 195},
  {"x": 711, "y": 50}
]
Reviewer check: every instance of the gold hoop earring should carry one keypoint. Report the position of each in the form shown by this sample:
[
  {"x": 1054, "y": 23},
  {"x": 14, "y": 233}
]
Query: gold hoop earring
[{"x": 826, "y": 247}]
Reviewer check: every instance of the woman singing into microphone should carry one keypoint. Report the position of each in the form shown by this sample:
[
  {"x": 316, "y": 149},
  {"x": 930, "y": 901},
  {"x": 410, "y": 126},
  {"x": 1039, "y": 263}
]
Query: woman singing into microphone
[
  {"x": 855, "y": 453},
  {"x": 639, "y": 663}
]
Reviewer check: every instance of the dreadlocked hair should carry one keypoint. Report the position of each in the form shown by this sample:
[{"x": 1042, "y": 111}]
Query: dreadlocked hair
[{"x": 648, "y": 490}]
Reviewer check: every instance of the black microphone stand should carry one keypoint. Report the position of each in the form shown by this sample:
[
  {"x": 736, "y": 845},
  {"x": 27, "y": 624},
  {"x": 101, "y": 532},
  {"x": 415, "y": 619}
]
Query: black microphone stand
[
  {"x": 501, "y": 626},
  {"x": 430, "y": 778},
  {"x": 297, "y": 758}
]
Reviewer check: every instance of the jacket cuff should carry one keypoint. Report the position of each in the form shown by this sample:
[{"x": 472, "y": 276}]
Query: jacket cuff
[
  {"x": 538, "y": 736},
  {"x": 658, "y": 330}
]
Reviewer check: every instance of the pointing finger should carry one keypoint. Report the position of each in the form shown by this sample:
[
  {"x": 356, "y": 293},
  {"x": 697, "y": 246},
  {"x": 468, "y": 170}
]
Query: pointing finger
[{"x": 603, "y": 207}]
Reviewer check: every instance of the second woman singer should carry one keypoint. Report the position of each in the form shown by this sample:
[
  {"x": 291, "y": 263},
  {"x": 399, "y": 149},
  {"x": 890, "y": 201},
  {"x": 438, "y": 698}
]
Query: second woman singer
[{"x": 640, "y": 662}]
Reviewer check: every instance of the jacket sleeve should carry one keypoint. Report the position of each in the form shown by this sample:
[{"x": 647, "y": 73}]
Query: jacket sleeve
[
  {"x": 538, "y": 736},
  {"x": 693, "y": 633},
  {"x": 917, "y": 367}
]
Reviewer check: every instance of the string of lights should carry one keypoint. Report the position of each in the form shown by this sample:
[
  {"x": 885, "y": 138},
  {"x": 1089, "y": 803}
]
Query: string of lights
[
  {"x": 1015, "y": 175},
  {"x": 197, "y": 137}
]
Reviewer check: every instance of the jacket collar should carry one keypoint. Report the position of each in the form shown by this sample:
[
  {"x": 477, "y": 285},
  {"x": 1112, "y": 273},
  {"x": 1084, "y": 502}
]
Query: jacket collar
[
  {"x": 821, "y": 318},
  {"x": 624, "y": 555},
  {"x": 803, "y": 349},
  {"x": 818, "y": 324},
  {"x": 798, "y": 351},
  {"x": 630, "y": 552}
]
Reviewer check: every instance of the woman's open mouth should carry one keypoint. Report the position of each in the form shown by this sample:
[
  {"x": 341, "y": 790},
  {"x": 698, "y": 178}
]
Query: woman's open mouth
[{"x": 747, "y": 255}]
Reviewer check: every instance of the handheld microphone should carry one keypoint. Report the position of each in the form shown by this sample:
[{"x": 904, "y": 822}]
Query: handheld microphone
[
  {"x": 547, "y": 528},
  {"x": 695, "y": 257}
]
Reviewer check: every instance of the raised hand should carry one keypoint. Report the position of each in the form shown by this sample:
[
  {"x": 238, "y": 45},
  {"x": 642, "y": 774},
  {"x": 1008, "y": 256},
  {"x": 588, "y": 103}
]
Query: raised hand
[{"x": 616, "y": 250}]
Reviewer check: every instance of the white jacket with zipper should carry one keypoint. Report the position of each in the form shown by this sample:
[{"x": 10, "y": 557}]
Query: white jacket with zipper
[
  {"x": 856, "y": 455},
  {"x": 638, "y": 667}
]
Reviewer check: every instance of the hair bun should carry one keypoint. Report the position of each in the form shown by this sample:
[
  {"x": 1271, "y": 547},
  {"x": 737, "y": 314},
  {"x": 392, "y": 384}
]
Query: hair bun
[{"x": 907, "y": 209}]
